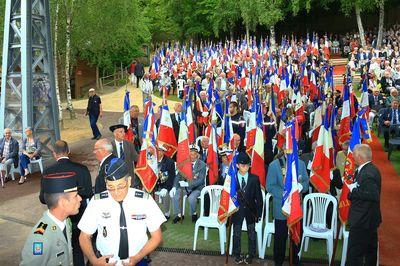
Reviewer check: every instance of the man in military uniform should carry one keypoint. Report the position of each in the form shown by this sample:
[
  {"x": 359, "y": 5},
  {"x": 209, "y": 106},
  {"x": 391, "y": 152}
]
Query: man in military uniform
[
  {"x": 49, "y": 243},
  {"x": 166, "y": 172},
  {"x": 121, "y": 215}
]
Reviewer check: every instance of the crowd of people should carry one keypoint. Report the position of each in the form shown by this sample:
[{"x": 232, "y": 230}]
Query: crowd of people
[{"x": 228, "y": 91}]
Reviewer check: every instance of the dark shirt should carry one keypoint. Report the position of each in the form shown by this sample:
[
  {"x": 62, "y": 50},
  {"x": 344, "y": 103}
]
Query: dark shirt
[{"x": 93, "y": 107}]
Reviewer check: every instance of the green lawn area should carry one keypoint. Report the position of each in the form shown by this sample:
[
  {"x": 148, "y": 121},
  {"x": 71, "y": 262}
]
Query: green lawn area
[
  {"x": 171, "y": 97},
  {"x": 181, "y": 236}
]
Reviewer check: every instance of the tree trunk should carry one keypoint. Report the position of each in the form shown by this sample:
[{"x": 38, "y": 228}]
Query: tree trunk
[
  {"x": 231, "y": 33},
  {"x": 272, "y": 37},
  {"x": 97, "y": 78},
  {"x": 381, "y": 19},
  {"x": 56, "y": 65},
  {"x": 360, "y": 26},
  {"x": 70, "y": 107}
]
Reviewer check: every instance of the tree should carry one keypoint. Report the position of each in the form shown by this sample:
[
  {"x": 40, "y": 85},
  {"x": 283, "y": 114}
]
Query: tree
[
  {"x": 225, "y": 17},
  {"x": 381, "y": 4}
]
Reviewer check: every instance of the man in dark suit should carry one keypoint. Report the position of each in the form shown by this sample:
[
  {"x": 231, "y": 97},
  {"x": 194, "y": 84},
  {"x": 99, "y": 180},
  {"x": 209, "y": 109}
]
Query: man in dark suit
[
  {"x": 364, "y": 214},
  {"x": 376, "y": 103},
  {"x": 139, "y": 72},
  {"x": 125, "y": 150},
  {"x": 250, "y": 208},
  {"x": 202, "y": 143},
  {"x": 166, "y": 174},
  {"x": 389, "y": 119},
  {"x": 84, "y": 184},
  {"x": 9, "y": 149},
  {"x": 176, "y": 119},
  {"x": 103, "y": 153}
]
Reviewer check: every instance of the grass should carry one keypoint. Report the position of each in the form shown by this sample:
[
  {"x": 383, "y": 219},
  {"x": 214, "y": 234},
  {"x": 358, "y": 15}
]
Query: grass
[
  {"x": 181, "y": 236},
  {"x": 171, "y": 97}
]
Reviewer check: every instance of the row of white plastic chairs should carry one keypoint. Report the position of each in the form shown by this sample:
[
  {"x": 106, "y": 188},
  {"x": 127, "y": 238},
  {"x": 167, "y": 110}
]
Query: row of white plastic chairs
[
  {"x": 14, "y": 170},
  {"x": 315, "y": 208}
]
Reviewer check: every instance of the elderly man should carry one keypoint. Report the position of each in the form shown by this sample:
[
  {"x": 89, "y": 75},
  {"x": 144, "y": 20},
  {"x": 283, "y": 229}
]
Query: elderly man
[
  {"x": 8, "y": 152},
  {"x": 364, "y": 214},
  {"x": 135, "y": 127},
  {"x": 390, "y": 120},
  {"x": 94, "y": 110},
  {"x": 177, "y": 118},
  {"x": 125, "y": 150},
  {"x": 49, "y": 243},
  {"x": 146, "y": 86},
  {"x": 203, "y": 144},
  {"x": 394, "y": 94},
  {"x": 192, "y": 188},
  {"x": 376, "y": 103},
  {"x": 103, "y": 151},
  {"x": 166, "y": 174},
  {"x": 123, "y": 217}
]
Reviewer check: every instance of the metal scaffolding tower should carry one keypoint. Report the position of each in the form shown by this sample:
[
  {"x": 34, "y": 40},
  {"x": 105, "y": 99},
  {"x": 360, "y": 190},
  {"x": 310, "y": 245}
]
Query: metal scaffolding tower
[{"x": 28, "y": 96}]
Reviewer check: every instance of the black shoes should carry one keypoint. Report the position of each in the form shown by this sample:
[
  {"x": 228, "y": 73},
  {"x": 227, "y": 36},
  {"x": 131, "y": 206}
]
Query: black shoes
[
  {"x": 244, "y": 260},
  {"x": 98, "y": 137},
  {"x": 248, "y": 260},
  {"x": 177, "y": 219},
  {"x": 239, "y": 260},
  {"x": 194, "y": 218}
]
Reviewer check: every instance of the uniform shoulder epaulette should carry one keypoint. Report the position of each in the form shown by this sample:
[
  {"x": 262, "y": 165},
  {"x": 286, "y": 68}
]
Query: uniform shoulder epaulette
[
  {"x": 141, "y": 194},
  {"x": 40, "y": 229},
  {"x": 102, "y": 195}
]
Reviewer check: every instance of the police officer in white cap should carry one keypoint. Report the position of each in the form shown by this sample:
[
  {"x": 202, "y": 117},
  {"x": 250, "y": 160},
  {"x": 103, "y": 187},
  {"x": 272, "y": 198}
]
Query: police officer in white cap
[
  {"x": 122, "y": 216},
  {"x": 49, "y": 243}
]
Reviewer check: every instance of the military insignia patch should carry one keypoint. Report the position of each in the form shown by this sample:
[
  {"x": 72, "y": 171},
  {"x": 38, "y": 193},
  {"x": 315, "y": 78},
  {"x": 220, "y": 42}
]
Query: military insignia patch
[
  {"x": 41, "y": 228},
  {"x": 139, "y": 194},
  {"x": 102, "y": 195},
  {"x": 37, "y": 248},
  {"x": 138, "y": 216},
  {"x": 106, "y": 215},
  {"x": 54, "y": 228}
]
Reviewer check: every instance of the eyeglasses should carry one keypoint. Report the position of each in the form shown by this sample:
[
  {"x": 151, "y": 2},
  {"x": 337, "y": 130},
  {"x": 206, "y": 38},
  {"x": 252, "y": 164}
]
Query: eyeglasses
[{"x": 119, "y": 187}]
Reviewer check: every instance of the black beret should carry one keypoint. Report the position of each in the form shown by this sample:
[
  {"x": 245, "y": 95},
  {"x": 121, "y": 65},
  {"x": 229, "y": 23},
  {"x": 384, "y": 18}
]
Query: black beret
[
  {"x": 114, "y": 127},
  {"x": 116, "y": 169},
  {"x": 243, "y": 158},
  {"x": 61, "y": 182}
]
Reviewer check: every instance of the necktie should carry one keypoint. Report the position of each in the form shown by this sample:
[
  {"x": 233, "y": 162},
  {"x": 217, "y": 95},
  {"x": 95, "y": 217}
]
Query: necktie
[
  {"x": 355, "y": 175},
  {"x": 123, "y": 240},
  {"x": 65, "y": 233},
  {"x": 121, "y": 151},
  {"x": 178, "y": 118},
  {"x": 395, "y": 116},
  {"x": 243, "y": 183},
  {"x": 376, "y": 100}
]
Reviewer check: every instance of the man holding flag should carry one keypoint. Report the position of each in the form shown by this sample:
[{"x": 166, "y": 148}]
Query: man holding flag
[{"x": 279, "y": 172}]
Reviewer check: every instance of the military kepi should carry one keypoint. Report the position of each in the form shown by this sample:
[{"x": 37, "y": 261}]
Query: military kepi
[
  {"x": 61, "y": 182},
  {"x": 114, "y": 127},
  {"x": 243, "y": 158},
  {"x": 116, "y": 169}
]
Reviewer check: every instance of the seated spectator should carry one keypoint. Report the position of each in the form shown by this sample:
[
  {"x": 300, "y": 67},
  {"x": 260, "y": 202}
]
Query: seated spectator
[
  {"x": 30, "y": 149},
  {"x": 394, "y": 94},
  {"x": 389, "y": 119},
  {"x": 376, "y": 102},
  {"x": 386, "y": 81},
  {"x": 9, "y": 148}
]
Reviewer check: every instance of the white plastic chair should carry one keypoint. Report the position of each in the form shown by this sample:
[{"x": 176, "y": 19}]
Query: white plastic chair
[
  {"x": 211, "y": 221},
  {"x": 13, "y": 171},
  {"x": 345, "y": 235},
  {"x": 258, "y": 229},
  {"x": 316, "y": 226},
  {"x": 185, "y": 196},
  {"x": 38, "y": 161},
  {"x": 269, "y": 228}
]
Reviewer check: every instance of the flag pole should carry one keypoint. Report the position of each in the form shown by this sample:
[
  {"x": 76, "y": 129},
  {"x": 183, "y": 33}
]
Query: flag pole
[
  {"x": 181, "y": 220},
  {"x": 335, "y": 246},
  {"x": 290, "y": 250},
  {"x": 228, "y": 240}
]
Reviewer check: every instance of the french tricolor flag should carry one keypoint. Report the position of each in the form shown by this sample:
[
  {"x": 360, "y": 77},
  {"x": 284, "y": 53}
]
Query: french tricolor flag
[
  {"x": 166, "y": 135},
  {"x": 323, "y": 158},
  {"x": 344, "y": 130}
]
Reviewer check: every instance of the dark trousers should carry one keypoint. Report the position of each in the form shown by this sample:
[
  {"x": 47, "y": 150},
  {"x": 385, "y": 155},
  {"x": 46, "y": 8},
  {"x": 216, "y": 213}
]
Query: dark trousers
[
  {"x": 363, "y": 245},
  {"x": 237, "y": 236},
  {"x": 76, "y": 248},
  {"x": 93, "y": 120},
  {"x": 280, "y": 238},
  {"x": 138, "y": 78},
  {"x": 23, "y": 163}
]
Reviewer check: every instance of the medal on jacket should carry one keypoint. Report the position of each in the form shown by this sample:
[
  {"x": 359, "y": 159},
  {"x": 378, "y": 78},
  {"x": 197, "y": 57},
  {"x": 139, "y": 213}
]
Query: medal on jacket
[
  {"x": 283, "y": 171},
  {"x": 104, "y": 231}
]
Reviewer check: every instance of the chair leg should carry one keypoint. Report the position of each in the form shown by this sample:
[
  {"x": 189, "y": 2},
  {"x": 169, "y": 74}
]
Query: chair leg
[
  {"x": 307, "y": 240},
  {"x": 205, "y": 233},
  {"x": 269, "y": 239},
  {"x": 231, "y": 242},
  {"x": 301, "y": 246},
  {"x": 41, "y": 167},
  {"x": 222, "y": 236},
  {"x": 261, "y": 252},
  {"x": 183, "y": 206},
  {"x": 259, "y": 242},
  {"x": 344, "y": 251},
  {"x": 329, "y": 242},
  {"x": 196, "y": 231}
]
